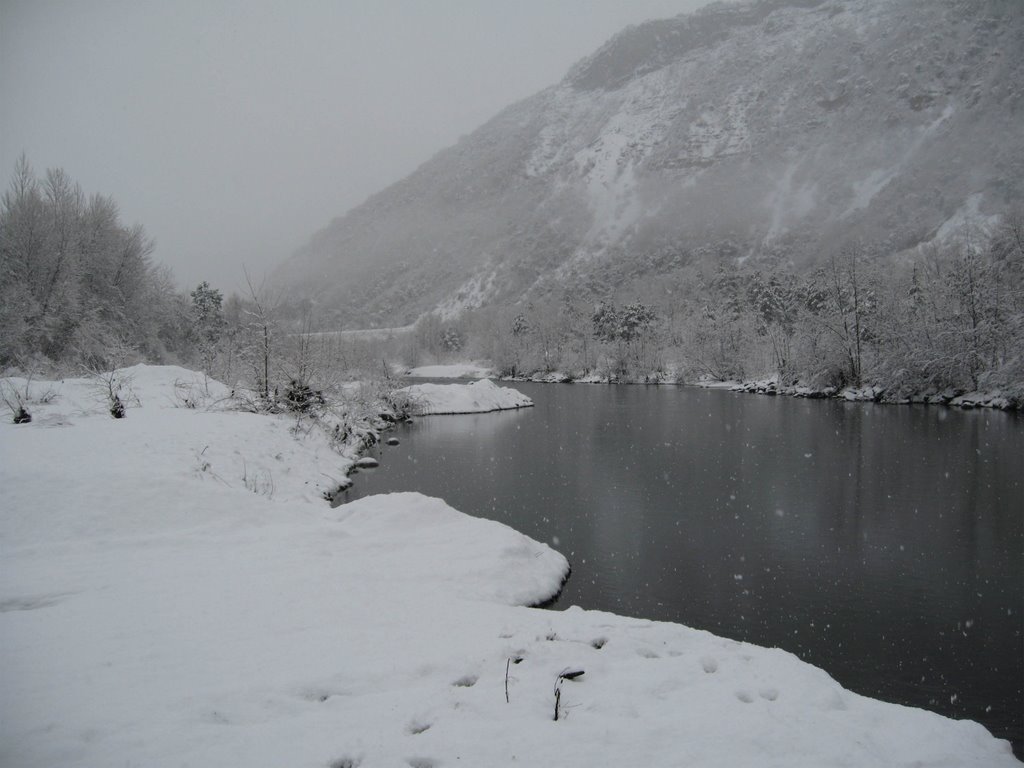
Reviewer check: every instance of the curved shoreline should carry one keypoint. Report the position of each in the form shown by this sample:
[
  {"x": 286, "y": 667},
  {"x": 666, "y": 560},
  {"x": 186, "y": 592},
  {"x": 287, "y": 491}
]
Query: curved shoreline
[
  {"x": 953, "y": 398},
  {"x": 549, "y": 602}
]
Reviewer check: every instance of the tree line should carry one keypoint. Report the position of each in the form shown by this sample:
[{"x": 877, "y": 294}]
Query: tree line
[
  {"x": 75, "y": 283},
  {"x": 948, "y": 317},
  {"x": 80, "y": 292}
]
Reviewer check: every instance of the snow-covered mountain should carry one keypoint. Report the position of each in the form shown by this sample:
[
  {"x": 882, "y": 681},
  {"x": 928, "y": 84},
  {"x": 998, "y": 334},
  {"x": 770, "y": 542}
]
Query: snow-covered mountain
[{"x": 739, "y": 131}]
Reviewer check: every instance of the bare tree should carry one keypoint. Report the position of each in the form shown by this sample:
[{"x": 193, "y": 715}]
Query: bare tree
[{"x": 262, "y": 329}]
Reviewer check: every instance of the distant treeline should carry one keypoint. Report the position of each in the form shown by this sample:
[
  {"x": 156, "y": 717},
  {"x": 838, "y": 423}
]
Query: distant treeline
[{"x": 949, "y": 317}]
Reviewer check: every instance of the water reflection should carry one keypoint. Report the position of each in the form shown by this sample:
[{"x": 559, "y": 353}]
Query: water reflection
[{"x": 882, "y": 543}]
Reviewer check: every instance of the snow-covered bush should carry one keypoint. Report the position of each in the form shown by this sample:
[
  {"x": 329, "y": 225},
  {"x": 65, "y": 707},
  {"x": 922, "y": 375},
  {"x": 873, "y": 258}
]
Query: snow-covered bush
[
  {"x": 114, "y": 388},
  {"x": 299, "y": 396},
  {"x": 14, "y": 399}
]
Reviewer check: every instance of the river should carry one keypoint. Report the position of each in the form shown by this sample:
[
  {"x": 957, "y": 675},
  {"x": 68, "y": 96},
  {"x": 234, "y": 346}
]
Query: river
[{"x": 882, "y": 543}]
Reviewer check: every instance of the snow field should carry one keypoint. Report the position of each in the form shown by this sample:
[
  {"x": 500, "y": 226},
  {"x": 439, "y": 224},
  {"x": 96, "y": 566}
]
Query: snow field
[{"x": 154, "y": 612}]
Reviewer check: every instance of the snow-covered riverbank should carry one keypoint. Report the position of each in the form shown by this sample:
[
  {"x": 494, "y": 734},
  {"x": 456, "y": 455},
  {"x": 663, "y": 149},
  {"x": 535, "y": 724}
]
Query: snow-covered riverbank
[
  {"x": 999, "y": 399},
  {"x": 1002, "y": 399},
  {"x": 481, "y": 396},
  {"x": 173, "y": 591},
  {"x": 451, "y": 371}
]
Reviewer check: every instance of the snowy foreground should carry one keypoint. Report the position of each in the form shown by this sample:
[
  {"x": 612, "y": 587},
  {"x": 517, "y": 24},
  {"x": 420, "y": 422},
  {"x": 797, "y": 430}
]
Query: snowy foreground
[
  {"x": 478, "y": 397},
  {"x": 174, "y": 592}
]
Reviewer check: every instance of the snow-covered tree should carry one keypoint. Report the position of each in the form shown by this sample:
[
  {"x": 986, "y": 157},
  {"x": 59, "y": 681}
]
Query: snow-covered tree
[{"x": 77, "y": 287}]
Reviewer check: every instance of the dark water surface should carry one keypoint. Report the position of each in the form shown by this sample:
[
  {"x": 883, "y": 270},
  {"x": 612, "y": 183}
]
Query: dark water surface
[{"x": 882, "y": 543}]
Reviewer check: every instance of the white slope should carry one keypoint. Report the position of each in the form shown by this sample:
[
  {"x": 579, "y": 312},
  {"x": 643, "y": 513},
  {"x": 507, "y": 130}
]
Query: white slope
[{"x": 155, "y": 612}]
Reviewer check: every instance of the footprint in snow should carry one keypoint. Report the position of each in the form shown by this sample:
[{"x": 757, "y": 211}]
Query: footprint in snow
[
  {"x": 32, "y": 603},
  {"x": 709, "y": 664},
  {"x": 415, "y": 728},
  {"x": 466, "y": 681},
  {"x": 319, "y": 695}
]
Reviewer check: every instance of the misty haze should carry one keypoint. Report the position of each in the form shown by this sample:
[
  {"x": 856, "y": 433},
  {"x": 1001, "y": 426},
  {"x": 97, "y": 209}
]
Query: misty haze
[{"x": 571, "y": 384}]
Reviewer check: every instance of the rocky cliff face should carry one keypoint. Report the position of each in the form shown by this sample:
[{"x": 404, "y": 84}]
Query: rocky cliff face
[{"x": 738, "y": 132}]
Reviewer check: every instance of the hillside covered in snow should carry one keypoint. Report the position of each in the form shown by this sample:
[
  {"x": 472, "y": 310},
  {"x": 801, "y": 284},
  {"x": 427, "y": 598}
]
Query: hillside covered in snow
[{"x": 743, "y": 131}]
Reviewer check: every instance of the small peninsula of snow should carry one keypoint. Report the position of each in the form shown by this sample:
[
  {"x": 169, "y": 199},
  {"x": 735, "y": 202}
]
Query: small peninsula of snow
[
  {"x": 477, "y": 397},
  {"x": 174, "y": 592},
  {"x": 451, "y": 371}
]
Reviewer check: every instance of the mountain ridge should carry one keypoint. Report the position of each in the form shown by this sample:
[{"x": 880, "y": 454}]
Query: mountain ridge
[{"x": 772, "y": 129}]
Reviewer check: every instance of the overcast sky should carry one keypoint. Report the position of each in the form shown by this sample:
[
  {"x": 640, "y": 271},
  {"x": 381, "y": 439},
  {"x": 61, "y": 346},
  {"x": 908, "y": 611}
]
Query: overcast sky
[{"x": 232, "y": 131}]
